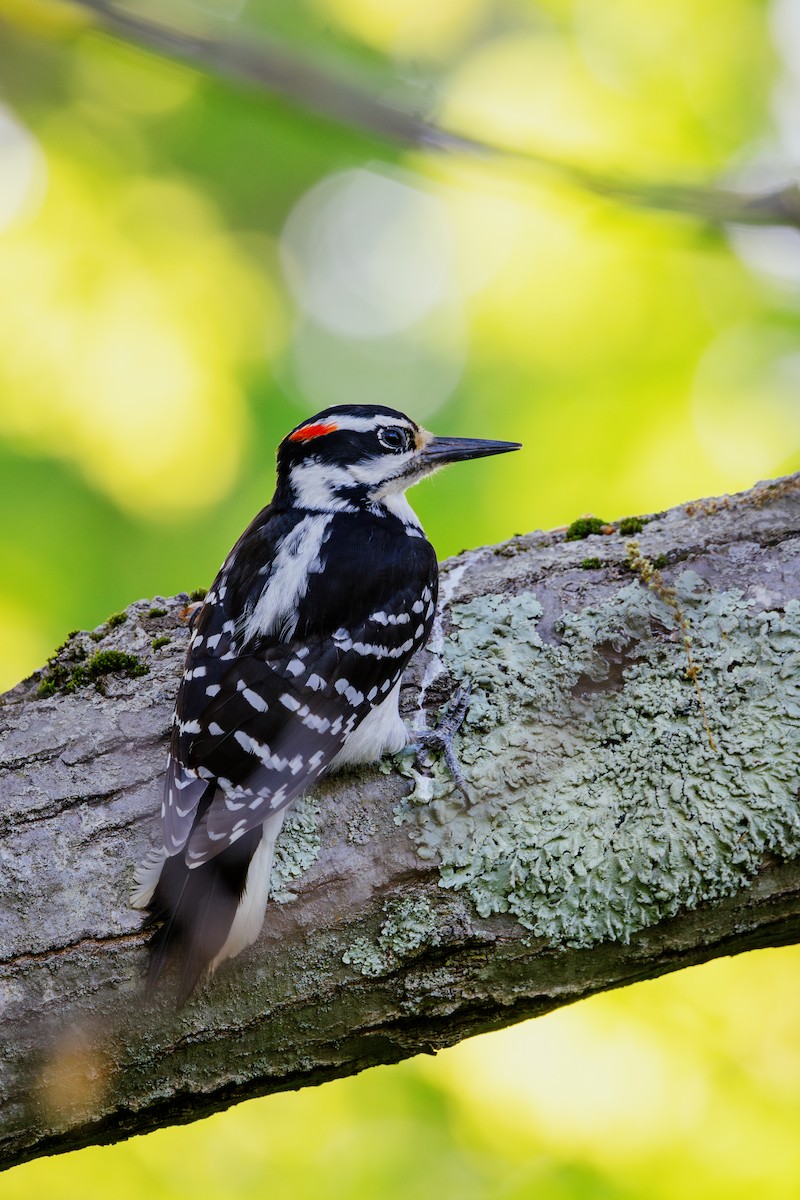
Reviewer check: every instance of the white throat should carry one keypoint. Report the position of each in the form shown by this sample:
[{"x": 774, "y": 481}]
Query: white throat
[{"x": 397, "y": 504}]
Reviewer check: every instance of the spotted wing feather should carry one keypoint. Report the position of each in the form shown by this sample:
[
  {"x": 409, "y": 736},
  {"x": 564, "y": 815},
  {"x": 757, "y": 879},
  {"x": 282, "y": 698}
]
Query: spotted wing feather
[{"x": 264, "y": 718}]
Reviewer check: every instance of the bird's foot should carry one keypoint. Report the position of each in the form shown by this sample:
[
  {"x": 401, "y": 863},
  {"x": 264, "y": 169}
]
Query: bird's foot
[{"x": 441, "y": 738}]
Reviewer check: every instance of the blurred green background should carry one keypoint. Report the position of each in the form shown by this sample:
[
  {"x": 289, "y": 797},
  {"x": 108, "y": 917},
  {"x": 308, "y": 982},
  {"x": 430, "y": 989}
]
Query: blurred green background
[{"x": 190, "y": 266}]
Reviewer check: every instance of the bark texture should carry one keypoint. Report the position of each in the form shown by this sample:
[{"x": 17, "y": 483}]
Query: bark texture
[{"x": 632, "y": 754}]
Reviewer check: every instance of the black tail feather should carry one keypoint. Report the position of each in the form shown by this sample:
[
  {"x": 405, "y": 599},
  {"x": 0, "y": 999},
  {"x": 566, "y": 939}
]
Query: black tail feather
[{"x": 195, "y": 910}]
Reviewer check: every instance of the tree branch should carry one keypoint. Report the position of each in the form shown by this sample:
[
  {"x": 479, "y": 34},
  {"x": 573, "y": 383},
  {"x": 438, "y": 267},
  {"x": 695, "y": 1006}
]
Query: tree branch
[
  {"x": 314, "y": 88},
  {"x": 607, "y": 842}
]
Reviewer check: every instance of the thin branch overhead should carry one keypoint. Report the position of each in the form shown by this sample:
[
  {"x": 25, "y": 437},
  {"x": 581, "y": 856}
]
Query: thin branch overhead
[{"x": 310, "y": 86}]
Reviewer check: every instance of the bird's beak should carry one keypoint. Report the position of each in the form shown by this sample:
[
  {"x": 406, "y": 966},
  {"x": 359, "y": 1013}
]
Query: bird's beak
[{"x": 441, "y": 450}]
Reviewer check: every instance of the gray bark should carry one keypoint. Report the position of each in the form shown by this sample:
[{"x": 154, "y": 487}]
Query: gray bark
[{"x": 606, "y": 841}]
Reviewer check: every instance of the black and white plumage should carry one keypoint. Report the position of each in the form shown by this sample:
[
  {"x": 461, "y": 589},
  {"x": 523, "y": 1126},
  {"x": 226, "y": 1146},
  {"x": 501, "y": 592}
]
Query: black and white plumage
[{"x": 293, "y": 668}]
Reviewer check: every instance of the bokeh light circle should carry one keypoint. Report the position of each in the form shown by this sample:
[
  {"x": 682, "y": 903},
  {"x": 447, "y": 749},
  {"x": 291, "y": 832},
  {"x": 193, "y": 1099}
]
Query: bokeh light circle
[{"x": 367, "y": 254}]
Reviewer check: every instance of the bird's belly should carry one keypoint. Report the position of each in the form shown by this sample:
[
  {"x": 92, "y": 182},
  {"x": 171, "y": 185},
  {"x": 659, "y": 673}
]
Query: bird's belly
[{"x": 381, "y": 732}]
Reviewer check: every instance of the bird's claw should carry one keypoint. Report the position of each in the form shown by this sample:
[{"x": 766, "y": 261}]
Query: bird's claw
[{"x": 441, "y": 738}]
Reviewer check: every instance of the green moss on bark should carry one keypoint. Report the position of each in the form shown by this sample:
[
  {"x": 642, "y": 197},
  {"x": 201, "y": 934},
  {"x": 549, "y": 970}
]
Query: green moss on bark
[{"x": 70, "y": 668}]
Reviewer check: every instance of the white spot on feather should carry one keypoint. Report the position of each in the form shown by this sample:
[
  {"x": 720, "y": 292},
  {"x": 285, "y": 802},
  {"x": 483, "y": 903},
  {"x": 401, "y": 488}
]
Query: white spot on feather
[{"x": 254, "y": 700}]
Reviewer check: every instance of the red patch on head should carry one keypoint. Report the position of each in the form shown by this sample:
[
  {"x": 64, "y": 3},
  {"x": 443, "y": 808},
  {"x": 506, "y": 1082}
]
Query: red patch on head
[{"x": 307, "y": 432}]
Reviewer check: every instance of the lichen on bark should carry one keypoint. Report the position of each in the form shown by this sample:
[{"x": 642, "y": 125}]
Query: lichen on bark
[{"x": 601, "y": 806}]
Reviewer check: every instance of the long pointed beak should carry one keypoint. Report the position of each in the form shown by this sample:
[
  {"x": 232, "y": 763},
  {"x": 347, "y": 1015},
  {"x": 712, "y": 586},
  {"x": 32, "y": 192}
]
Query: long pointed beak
[{"x": 441, "y": 450}]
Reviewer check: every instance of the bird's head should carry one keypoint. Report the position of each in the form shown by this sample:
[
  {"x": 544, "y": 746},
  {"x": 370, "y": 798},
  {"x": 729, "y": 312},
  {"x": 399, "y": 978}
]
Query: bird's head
[{"x": 358, "y": 455}]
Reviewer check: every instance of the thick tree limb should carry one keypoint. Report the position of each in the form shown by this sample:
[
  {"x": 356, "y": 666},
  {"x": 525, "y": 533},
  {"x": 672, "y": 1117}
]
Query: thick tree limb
[
  {"x": 313, "y": 87},
  {"x": 601, "y": 819}
]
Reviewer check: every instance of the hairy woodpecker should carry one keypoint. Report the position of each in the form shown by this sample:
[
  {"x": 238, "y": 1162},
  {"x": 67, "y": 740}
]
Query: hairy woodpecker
[{"x": 293, "y": 668}]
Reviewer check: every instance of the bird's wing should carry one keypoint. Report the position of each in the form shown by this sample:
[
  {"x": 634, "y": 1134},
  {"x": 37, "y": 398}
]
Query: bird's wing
[
  {"x": 216, "y": 639},
  {"x": 262, "y": 720}
]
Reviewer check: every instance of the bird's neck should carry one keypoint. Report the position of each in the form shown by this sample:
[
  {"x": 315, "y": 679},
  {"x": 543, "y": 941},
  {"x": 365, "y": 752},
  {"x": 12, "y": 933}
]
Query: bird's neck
[{"x": 331, "y": 490}]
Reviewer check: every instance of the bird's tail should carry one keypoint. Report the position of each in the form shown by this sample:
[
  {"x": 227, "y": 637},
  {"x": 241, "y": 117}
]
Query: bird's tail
[{"x": 210, "y": 912}]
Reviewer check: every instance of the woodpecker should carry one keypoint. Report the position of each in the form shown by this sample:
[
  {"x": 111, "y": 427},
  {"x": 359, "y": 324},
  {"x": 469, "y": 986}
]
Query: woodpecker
[{"x": 293, "y": 669}]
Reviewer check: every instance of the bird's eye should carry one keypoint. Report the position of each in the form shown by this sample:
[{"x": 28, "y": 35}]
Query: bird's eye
[{"x": 393, "y": 439}]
